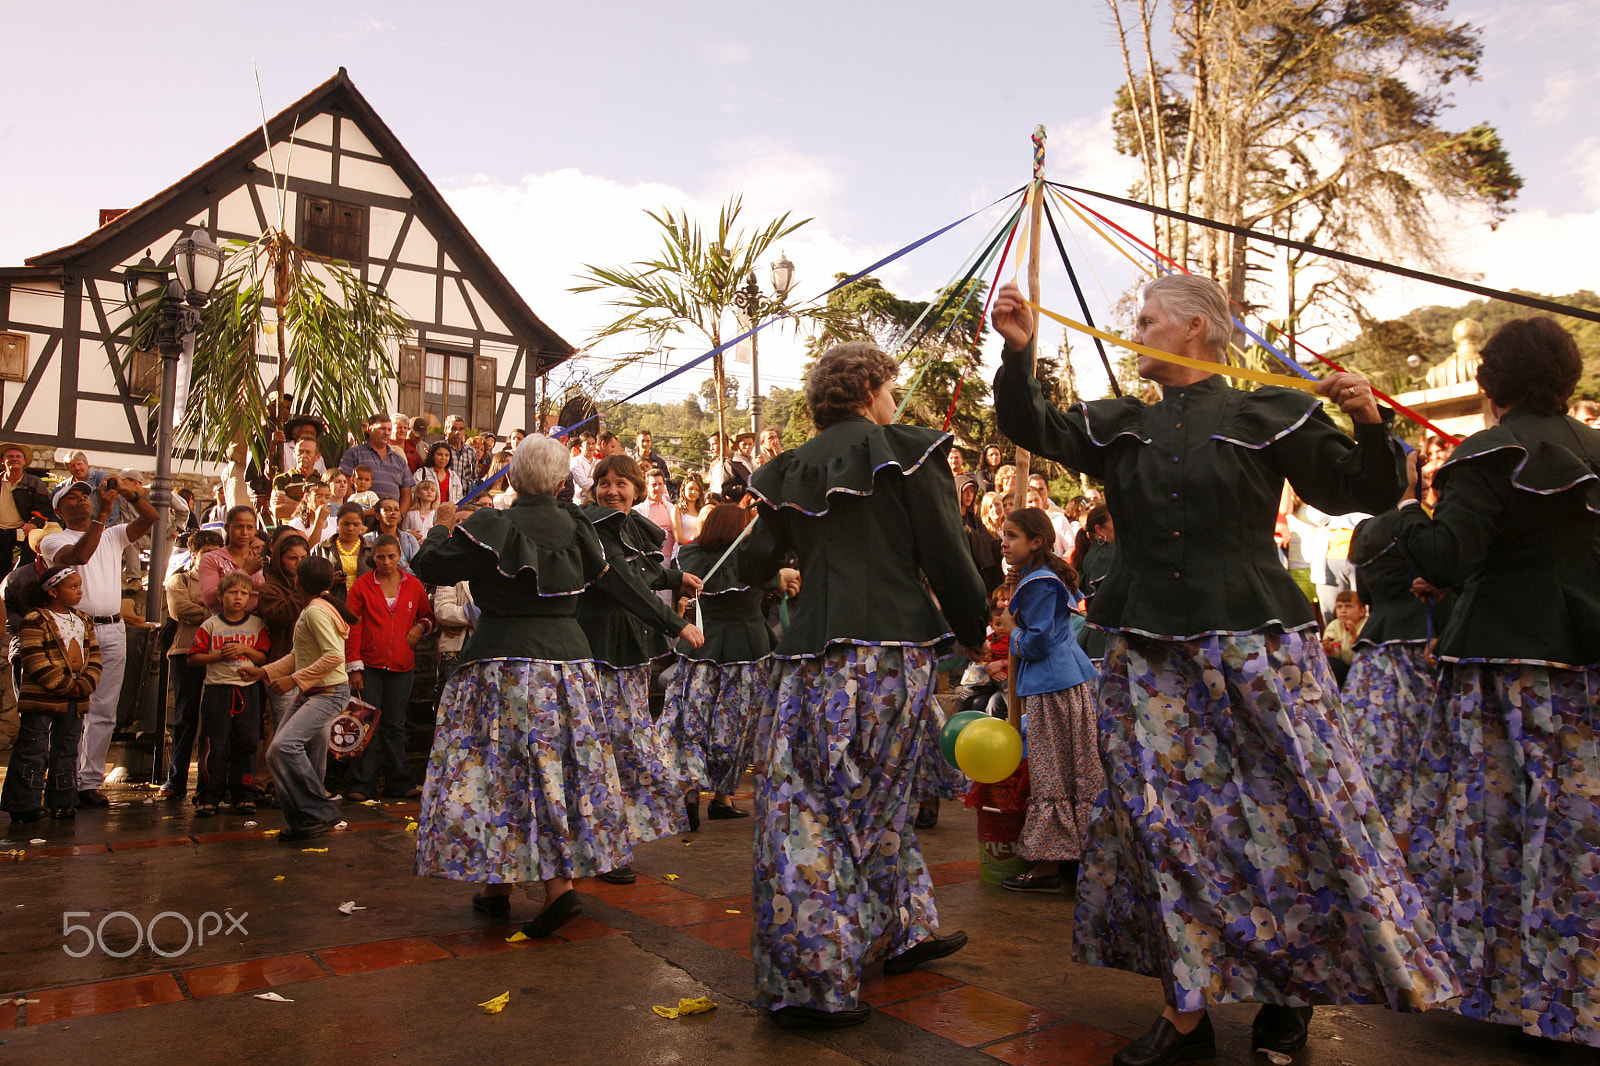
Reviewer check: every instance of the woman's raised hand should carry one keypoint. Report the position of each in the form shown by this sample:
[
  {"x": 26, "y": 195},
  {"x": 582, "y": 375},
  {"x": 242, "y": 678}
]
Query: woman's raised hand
[{"x": 1012, "y": 317}]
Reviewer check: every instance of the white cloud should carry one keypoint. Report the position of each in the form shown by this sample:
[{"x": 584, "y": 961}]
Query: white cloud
[{"x": 726, "y": 53}]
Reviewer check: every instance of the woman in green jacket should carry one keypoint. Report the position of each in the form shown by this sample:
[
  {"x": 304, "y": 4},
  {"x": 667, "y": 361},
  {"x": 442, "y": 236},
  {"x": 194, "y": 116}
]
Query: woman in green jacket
[{"x": 1507, "y": 801}]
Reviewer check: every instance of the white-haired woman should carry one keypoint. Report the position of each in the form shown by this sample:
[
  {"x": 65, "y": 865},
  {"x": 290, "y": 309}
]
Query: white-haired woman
[
  {"x": 1240, "y": 855},
  {"x": 522, "y": 784}
]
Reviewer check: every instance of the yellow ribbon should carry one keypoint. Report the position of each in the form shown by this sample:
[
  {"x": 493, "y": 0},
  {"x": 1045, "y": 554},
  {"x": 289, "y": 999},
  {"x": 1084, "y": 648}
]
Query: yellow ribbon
[{"x": 1244, "y": 373}]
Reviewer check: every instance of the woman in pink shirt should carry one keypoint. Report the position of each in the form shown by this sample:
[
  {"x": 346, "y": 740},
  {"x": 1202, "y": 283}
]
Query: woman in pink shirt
[{"x": 239, "y": 552}]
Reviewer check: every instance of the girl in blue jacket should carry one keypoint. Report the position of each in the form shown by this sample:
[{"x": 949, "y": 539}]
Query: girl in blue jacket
[{"x": 1054, "y": 686}]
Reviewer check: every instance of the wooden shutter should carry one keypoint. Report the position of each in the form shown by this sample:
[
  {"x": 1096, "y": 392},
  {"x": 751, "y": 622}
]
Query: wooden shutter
[
  {"x": 316, "y": 225},
  {"x": 349, "y": 232},
  {"x": 13, "y": 356},
  {"x": 410, "y": 376},
  {"x": 485, "y": 373},
  {"x": 144, "y": 373}
]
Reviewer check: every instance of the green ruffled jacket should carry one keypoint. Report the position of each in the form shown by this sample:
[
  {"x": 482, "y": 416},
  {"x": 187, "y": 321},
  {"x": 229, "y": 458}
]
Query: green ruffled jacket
[
  {"x": 730, "y": 610},
  {"x": 870, "y": 511},
  {"x": 1383, "y": 581},
  {"x": 528, "y": 567},
  {"x": 626, "y": 623},
  {"x": 1517, "y": 531},
  {"x": 1193, "y": 484}
]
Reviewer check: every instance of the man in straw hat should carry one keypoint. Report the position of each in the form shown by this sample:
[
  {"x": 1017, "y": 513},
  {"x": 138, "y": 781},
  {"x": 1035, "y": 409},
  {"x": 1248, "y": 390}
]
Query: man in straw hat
[{"x": 24, "y": 505}]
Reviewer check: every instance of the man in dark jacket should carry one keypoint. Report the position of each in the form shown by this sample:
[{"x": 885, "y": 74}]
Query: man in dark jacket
[{"x": 24, "y": 506}]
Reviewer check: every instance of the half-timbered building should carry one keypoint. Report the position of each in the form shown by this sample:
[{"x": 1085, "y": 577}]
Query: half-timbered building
[{"x": 352, "y": 192}]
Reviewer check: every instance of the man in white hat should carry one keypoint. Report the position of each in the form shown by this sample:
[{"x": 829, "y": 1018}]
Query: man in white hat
[{"x": 96, "y": 551}]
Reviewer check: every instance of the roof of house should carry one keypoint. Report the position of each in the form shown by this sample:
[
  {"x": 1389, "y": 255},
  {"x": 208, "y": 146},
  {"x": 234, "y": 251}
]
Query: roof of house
[{"x": 339, "y": 96}]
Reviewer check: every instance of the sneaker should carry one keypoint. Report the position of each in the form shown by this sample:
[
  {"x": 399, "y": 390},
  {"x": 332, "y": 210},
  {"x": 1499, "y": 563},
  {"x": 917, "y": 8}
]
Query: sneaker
[
  {"x": 205, "y": 810},
  {"x": 305, "y": 832},
  {"x": 244, "y": 808},
  {"x": 92, "y": 797},
  {"x": 64, "y": 814}
]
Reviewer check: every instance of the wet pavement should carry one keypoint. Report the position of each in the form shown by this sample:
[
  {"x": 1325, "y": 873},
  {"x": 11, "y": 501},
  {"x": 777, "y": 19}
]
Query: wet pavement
[{"x": 234, "y": 914}]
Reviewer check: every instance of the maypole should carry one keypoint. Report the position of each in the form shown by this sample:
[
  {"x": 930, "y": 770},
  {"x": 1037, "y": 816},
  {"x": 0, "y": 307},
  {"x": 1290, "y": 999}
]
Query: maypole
[{"x": 1020, "y": 485}]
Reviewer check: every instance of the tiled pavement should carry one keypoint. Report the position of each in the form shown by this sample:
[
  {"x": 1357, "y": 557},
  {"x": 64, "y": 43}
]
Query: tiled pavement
[{"x": 1011, "y": 997}]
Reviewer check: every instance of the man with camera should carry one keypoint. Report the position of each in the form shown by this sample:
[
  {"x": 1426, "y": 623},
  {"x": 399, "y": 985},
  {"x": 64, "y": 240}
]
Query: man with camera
[{"x": 96, "y": 551}]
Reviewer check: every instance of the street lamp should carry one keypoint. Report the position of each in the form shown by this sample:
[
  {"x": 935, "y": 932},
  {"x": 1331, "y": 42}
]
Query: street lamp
[
  {"x": 198, "y": 262},
  {"x": 752, "y": 306}
]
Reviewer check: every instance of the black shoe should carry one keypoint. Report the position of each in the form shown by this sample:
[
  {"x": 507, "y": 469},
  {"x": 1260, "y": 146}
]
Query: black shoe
[
  {"x": 1164, "y": 1045},
  {"x": 92, "y": 797},
  {"x": 1032, "y": 882},
  {"x": 566, "y": 907},
  {"x": 935, "y": 947},
  {"x": 244, "y": 807},
  {"x": 27, "y": 817},
  {"x": 812, "y": 1018},
  {"x": 305, "y": 832},
  {"x": 1281, "y": 1029},
  {"x": 691, "y": 805},
  {"x": 718, "y": 811},
  {"x": 494, "y": 908},
  {"x": 64, "y": 814},
  {"x": 622, "y": 875},
  {"x": 927, "y": 817}
]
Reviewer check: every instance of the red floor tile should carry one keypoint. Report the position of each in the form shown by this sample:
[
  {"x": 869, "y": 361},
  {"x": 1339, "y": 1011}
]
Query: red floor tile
[
  {"x": 970, "y": 1016},
  {"x": 255, "y": 973},
  {"x": 8, "y": 1016},
  {"x": 371, "y": 823},
  {"x": 105, "y": 997},
  {"x": 66, "y": 849},
  {"x": 954, "y": 873},
  {"x": 232, "y": 837},
  {"x": 381, "y": 955},
  {"x": 159, "y": 842},
  {"x": 482, "y": 940},
  {"x": 732, "y": 935},
  {"x": 879, "y": 989},
  {"x": 693, "y": 912},
  {"x": 630, "y": 896},
  {"x": 1068, "y": 1044},
  {"x": 585, "y": 928}
]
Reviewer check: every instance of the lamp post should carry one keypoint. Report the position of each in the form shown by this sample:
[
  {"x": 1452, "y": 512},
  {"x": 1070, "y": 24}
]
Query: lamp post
[
  {"x": 198, "y": 264},
  {"x": 752, "y": 305}
]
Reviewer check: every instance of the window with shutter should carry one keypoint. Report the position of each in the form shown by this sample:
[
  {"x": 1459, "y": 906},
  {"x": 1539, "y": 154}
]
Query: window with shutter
[
  {"x": 484, "y": 378},
  {"x": 410, "y": 375},
  {"x": 333, "y": 228},
  {"x": 446, "y": 385}
]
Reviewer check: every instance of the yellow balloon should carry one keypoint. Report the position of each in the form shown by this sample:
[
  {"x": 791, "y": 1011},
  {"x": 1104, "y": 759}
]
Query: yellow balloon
[{"x": 989, "y": 750}]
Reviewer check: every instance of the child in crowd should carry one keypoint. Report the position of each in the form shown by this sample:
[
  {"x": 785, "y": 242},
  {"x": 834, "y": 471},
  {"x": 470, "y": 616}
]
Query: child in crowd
[
  {"x": 424, "y": 509},
  {"x": 361, "y": 489},
  {"x": 1339, "y": 639},
  {"x": 60, "y": 669},
  {"x": 392, "y": 614},
  {"x": 985, "y": 683},
  {"x": 1055, "y": 685},
  {"x": 316, "y": 667},
  {"x": 230, "y": 704}
]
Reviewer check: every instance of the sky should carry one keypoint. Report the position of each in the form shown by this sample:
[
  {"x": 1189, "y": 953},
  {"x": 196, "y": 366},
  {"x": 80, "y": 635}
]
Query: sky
[{"x": 550, "y": 128}]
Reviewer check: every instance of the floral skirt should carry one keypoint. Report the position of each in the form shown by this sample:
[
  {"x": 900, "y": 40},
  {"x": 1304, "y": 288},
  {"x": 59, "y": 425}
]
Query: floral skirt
[
  {"x": 710, "y": 716},
  {"x": 1387, "y": 698},
  {"x": 1507, "y": 843},
  {"x": 936, "y": 779},
  {"x": 1064, "y": 773},
  {"x": 839, "y": 879},
  {"x": 652, "y": 781},
  {"x": 521, "y": 784},
  {"x": 1237, "y": 852}
]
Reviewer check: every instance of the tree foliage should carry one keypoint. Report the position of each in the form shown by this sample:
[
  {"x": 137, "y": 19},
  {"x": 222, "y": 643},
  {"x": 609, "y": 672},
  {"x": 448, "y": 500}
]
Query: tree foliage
[{"x": 1316, "y": 119}]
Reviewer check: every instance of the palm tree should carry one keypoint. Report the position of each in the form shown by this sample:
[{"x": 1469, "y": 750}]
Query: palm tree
[{"x": 688, "y": 288}]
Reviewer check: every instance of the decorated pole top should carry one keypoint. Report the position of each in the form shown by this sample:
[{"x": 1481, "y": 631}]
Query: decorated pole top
[{"x": 1038, "y": 153}]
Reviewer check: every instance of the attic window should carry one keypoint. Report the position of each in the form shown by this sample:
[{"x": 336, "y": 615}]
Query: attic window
[{"x": 333, "y": 228}]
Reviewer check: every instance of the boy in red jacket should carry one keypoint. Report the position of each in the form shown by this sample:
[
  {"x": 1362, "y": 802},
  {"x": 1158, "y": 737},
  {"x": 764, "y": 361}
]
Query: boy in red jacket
[{"x": 392, "y": 614}]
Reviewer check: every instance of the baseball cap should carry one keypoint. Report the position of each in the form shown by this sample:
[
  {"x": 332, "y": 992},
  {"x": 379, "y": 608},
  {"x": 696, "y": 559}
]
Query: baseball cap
[{"x": 68, "y": 486}]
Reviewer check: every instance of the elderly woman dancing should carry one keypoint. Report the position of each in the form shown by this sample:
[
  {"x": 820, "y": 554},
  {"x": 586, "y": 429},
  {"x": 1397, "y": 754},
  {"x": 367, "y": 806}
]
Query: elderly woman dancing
[
  {"x": 1240, "y": 855},
  {"x": 522, "y": 784},
  {"x": 1507, "y": 800},
  {"x": 869, "y": 509}
]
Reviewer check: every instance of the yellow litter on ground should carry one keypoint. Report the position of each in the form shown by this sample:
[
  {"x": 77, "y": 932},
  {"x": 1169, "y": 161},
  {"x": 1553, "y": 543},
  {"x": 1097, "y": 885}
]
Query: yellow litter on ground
[
  {"x": 316, "y": 850},
  {"x": 669, "y": 877},
  {"x": 497, "y": 1004},
  {"x": 686, "y": 1007},
  {"x": 516, "y": 938}
]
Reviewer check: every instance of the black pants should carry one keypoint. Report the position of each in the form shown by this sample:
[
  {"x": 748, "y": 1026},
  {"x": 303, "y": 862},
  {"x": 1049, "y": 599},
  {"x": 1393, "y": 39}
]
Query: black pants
[
  {"x": 230, "y": 731},
  {"x": 44, "y": 762},
  {"x": 14, "y": 551}
]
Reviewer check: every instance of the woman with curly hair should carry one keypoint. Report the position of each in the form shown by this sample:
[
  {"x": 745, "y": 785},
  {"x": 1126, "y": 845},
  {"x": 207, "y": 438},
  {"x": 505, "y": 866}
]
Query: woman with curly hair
[
  {"x": 1507, "y": 799},
  {"x": 869, "y": 509}
]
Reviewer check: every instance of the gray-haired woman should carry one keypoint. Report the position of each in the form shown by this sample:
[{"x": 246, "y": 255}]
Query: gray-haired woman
[{"x": 522, "y": 784}]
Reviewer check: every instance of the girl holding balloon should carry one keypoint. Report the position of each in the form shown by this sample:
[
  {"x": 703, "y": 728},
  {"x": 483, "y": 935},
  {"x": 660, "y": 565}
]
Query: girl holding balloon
[{"x": 1055, "y": 687}]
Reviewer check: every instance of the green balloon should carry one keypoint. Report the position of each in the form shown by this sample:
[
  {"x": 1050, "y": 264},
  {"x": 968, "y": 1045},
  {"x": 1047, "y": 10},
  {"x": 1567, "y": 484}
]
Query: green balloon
[{"x": 952, "y": 729}]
